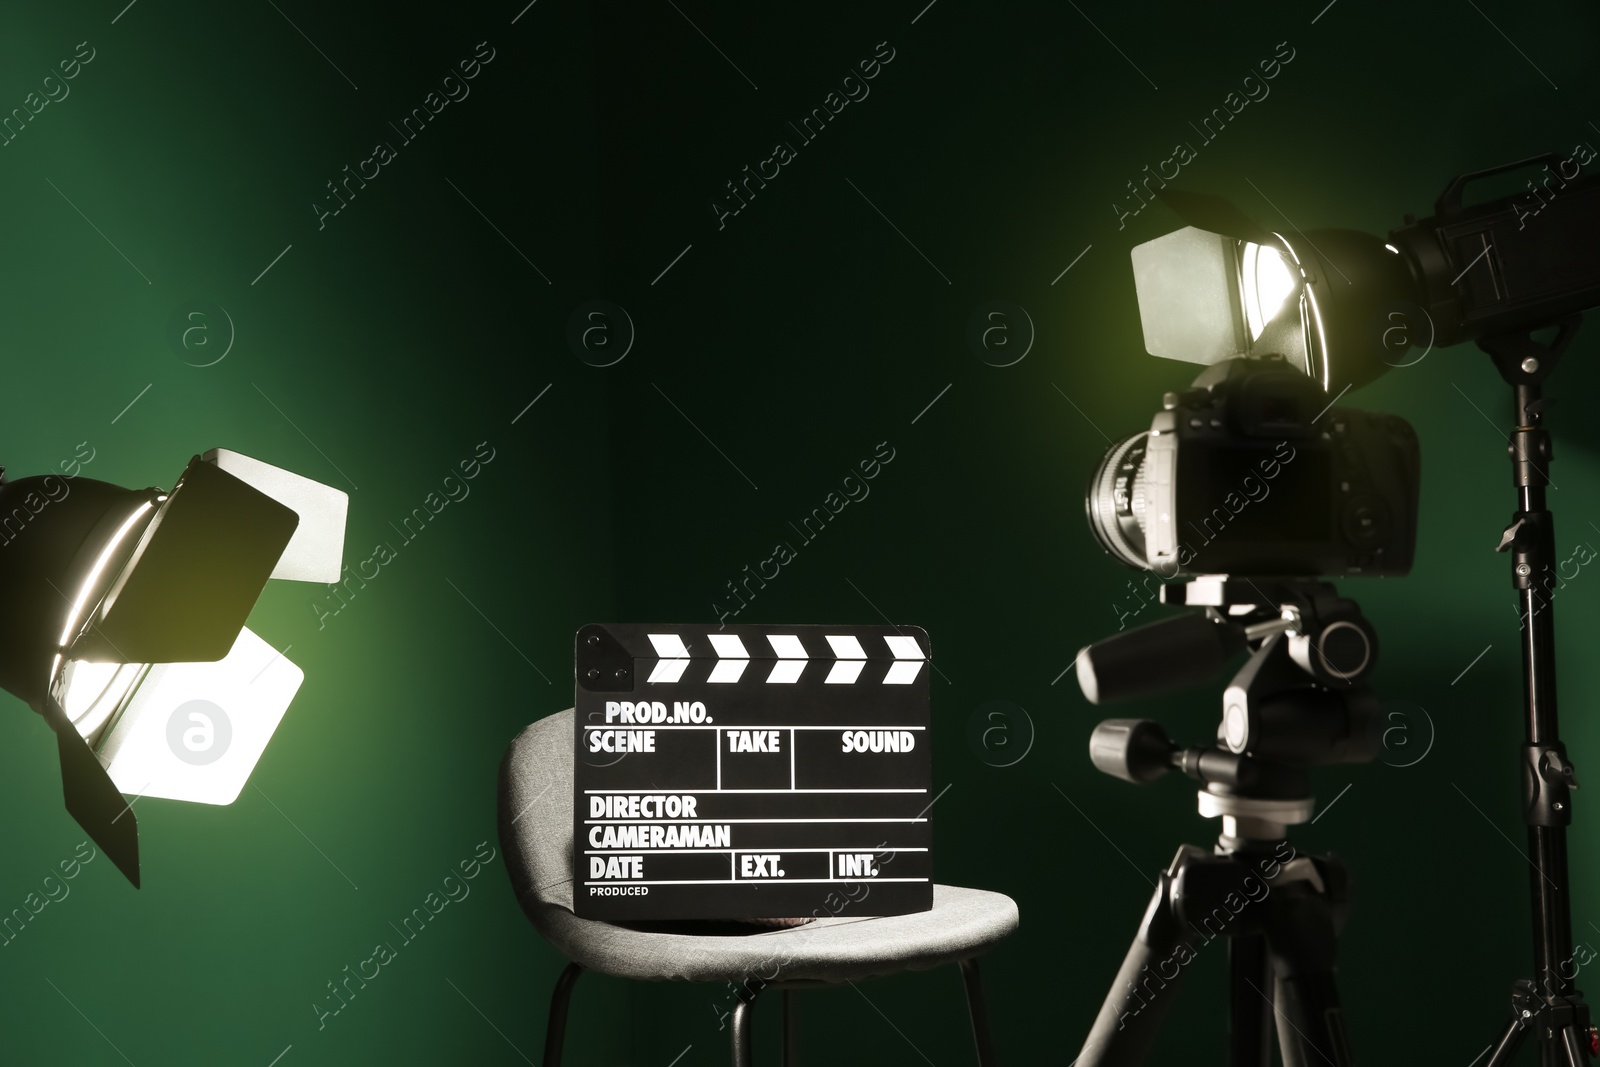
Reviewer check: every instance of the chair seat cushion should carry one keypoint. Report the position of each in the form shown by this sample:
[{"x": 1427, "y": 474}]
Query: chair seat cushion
[{"x": 963, "y": 923}]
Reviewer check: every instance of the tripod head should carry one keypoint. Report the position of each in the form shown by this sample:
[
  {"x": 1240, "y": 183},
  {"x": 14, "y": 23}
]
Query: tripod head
[{"x": 1298, "y": 702}]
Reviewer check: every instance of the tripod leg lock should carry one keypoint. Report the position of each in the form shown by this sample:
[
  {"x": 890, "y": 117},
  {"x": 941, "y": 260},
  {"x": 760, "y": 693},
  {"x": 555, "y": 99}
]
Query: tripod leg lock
[
  {"x": 1547, "y": 784},
  {"x": 1553, "y": 1015}
]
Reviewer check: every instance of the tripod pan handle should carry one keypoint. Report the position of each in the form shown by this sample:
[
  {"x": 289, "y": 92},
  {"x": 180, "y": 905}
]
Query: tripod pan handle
[{"x": 1160, "y": 657}]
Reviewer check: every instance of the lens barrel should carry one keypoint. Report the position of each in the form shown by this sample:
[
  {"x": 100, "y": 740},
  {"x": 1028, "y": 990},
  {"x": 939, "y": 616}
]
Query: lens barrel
[{"x": 1115, "y": 502}]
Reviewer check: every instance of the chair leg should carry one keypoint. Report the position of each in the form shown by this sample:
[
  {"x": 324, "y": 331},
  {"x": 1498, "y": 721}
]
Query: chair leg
[
  {"x": 555, "y": 1033},
  {"x": 742, "y": 1045},
  {"x": 791, "y": 1028},
  {"x": 980, "y": 1015}
]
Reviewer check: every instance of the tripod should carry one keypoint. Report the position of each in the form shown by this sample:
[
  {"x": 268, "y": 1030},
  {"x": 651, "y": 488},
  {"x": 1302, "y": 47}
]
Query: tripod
[
  {"x": 1296, "y": 703},
  {"x": 1551, "y": 1006}
]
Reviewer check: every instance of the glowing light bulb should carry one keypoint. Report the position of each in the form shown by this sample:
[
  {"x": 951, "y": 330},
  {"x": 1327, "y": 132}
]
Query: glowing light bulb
[{"x": 1268, "y": 284}]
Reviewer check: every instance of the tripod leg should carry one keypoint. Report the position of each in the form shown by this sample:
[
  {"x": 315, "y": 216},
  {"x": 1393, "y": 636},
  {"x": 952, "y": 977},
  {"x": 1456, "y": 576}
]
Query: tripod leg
[
  {"x": 1510, "y": 1041},
  {"x": 1303, "y": 945},
  {"x": 1249, "y": 1010},
  {"x": 1573, "y": 1053},
  {"x": 1144, "y": 988}
]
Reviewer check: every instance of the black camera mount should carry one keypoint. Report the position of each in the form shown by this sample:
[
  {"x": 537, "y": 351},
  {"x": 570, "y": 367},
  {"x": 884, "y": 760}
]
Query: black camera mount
[{"x": 1298, "y": 702}]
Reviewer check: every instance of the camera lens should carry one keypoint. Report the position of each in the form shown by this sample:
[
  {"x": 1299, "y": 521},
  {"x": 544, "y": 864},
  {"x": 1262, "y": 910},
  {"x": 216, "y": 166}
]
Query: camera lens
[{"x": 1116, "y": 501}]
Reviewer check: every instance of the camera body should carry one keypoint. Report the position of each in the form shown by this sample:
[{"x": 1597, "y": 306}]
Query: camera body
[{"x": 1252, "y": 471}]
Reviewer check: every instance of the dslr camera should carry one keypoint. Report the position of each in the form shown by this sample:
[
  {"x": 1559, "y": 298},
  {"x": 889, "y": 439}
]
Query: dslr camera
[{"x": 1253, "y": 471}]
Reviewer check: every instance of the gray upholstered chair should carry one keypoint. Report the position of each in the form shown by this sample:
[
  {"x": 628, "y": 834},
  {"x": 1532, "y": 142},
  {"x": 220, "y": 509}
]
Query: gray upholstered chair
[{"x": 536, "y": 837}]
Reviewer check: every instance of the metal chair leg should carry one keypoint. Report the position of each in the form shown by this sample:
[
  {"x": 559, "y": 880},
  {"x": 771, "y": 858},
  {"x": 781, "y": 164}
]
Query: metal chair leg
[
  {"x": 791, "y": 1028},
  {"x": 980, "y": 1015},
  {"x": 742, "y": 1050},
  {"x": 555, "y": 1033}
]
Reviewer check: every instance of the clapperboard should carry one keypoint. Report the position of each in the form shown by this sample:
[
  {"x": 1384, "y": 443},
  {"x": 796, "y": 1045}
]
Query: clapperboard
[{"x": 751, "y": 772}]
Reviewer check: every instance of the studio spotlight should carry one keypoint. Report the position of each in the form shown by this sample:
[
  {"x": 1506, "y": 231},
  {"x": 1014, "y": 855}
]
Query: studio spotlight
[
  {"x": 1344, "y": 306},
  {"x": 124, "y": 626}
]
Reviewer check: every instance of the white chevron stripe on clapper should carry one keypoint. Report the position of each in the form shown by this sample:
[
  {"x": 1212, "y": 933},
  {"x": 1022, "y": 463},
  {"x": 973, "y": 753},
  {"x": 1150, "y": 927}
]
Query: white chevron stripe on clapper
[
  {"x": 732, "y": 658},
  {"x": 851, "y": 659},
  {"x": 791, "y": 658},
  {"x": 674, "y": 657},
  {"x": 907, "y": 660}
]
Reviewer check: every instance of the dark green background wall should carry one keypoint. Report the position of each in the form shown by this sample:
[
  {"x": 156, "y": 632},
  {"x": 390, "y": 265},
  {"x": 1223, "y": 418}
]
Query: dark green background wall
[{"x": 776, "y": 352}]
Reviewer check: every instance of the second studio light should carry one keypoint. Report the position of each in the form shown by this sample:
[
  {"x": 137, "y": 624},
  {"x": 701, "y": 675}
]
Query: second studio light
[
  {"x": 1345, "y": 306},
  {"x": 125, "y": 627}
]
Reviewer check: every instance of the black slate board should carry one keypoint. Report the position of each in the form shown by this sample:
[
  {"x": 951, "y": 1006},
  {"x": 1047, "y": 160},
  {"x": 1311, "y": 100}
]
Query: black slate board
[{"x": 720, "y": 774}]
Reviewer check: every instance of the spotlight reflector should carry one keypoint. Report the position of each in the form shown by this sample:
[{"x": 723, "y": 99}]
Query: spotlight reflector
[
  {"x": 194, "y": 573},
  {"x": 1206, "y": 297},
  {"x": 124, "y": 627},
  {"x": 1349, "y": 305}
]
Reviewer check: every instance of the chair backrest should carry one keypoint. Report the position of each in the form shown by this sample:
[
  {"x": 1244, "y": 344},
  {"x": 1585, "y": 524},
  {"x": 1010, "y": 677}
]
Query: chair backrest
[{"x": 536, "y": 811}]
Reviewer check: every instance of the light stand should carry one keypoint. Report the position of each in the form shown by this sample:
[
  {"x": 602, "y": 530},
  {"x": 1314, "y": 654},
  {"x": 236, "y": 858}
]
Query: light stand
[{"x": 1550, "y": 1005}]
